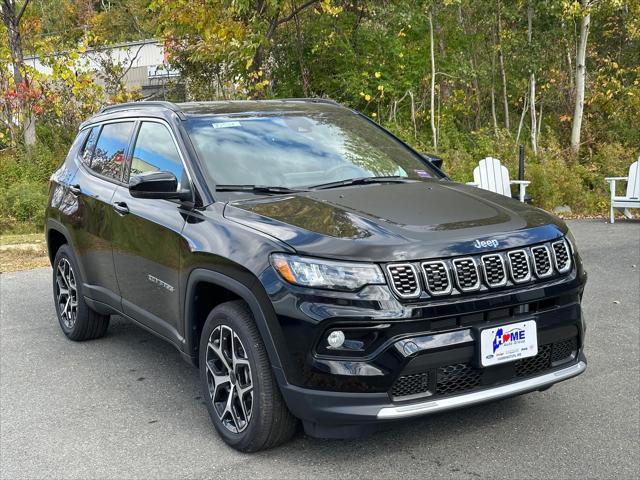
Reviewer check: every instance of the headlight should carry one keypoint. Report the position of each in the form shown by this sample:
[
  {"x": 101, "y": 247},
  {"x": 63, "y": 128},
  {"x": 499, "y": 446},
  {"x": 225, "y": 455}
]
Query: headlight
[{"x": 313, "y": 272}]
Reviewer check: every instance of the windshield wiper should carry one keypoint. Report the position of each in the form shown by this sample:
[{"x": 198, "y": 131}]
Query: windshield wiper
[
  {"x": 361, "y": 181},
  {"x": 258, "y": 189}
]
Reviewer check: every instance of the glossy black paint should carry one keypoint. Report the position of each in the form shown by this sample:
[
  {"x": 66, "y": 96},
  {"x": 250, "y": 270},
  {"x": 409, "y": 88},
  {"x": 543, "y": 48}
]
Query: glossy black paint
[{"x": 148, "y": 259}]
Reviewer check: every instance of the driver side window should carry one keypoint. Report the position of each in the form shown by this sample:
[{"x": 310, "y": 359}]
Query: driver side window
[{"x": 156, "y": 151}]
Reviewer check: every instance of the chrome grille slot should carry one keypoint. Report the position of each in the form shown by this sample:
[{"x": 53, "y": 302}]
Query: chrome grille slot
[
  {"x": 542, "y": 261},
  {"x": 404, "y": 280},
  {"x": 561, "y": 256},
  {"x": 494, "y": 270},
  {"x": 519, "y": 266},
  {"x": 466, "y": 273},
  {"x": 437, "y": 278}
]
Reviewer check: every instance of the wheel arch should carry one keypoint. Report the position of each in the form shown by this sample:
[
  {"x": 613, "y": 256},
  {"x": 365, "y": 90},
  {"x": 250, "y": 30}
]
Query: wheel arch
[
  {"x": 262, "y": 312},
  {"x": 56, "y": 236}
]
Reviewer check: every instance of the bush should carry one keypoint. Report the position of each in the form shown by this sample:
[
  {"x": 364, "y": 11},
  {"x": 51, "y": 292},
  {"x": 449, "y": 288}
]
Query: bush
[{"x": 25, "y": 203}]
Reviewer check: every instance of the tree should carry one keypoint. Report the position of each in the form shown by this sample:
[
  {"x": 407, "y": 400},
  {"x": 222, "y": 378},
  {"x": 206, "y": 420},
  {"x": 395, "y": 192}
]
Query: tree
[
  {"x": 532, "y": 84},
  {"x": 12, "y": 14},
  {"x": 581, "y": 71},
  {"x": 434, "y": 132},
  {"x": 505, "y": 97}
]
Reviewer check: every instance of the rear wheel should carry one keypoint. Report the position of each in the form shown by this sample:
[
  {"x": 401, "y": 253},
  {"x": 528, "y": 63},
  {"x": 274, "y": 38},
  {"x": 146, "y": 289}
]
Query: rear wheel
[
  {"x": 77, "y": 320},
  {"x": 244, "y": 401}
]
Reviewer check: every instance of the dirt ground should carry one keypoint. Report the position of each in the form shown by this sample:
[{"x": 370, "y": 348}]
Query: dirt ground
[{"x": 22, "y": 252}]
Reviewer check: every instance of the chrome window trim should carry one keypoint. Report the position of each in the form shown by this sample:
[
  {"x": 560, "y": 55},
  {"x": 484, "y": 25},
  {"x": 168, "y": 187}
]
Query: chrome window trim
[
  {"x": 535, "y": 264},
  {"x": 569, "y": 256},
  {"x": 513, "y": 278},
  {"x": 484, "y": 270},
  {"x": 135, "y": 132},
  {"x": 393, "y": 286},
  {"x": 476, "y": 286},
  {"x": 447, "y": 272}
]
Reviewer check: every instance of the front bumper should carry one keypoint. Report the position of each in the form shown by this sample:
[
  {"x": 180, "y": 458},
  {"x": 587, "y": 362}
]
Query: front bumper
[{"x": 339, "y": 415}]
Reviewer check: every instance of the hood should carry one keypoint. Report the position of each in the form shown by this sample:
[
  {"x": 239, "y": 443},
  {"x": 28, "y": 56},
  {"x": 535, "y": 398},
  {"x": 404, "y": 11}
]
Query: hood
[{"x": 402, "y": 221}]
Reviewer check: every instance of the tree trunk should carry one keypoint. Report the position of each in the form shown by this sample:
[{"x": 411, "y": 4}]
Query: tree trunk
[
  {"x": 581, "y": 70},
  {"x": 11, "y": 18},
  {"x": 505, "y": 97},
  {"x": 532, "y": 85},
  {"x": 494, "y": 117},
  {"x": 15, "y": 47},
  {"x": 472, "y": 61},
  {"x": 433, "y": 86}
]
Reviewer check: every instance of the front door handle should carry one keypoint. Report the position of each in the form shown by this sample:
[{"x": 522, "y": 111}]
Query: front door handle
[
  {"x": 121, "y": 208},
  {"x": 75, "y": 189}
]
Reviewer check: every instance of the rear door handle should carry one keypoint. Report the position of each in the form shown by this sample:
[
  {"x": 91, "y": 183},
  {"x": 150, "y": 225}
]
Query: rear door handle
[
  {"x": 121, "y": 208},
  {"x": 75, "y": 189}
]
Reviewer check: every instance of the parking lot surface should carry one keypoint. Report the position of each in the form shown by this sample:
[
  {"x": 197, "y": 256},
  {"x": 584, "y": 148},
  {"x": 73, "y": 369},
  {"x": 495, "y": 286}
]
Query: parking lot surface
[{"x": 127, "y": 406}]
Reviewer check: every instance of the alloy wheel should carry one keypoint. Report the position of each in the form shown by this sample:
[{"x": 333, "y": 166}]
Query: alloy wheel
[
  {"x": 66, "y": 293},
  {"x": 229, "y": 379}
]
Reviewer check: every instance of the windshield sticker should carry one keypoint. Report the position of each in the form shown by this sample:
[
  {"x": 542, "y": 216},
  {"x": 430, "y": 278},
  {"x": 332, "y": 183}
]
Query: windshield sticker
[
  {"x": 423, "y": 173},
  {"x": 226, "y": 124}
]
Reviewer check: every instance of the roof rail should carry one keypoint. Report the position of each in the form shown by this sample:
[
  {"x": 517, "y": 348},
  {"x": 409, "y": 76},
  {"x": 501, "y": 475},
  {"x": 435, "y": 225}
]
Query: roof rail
[
  {"x": 309, "y": 99},
  {"x": 142, "y": 104}
]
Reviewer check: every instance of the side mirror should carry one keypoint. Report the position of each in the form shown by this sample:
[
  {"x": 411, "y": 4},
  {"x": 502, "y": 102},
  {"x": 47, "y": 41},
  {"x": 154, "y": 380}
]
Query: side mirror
[
  {"x": 435, "y": 160},
  {"x": 162, "y": 185}
]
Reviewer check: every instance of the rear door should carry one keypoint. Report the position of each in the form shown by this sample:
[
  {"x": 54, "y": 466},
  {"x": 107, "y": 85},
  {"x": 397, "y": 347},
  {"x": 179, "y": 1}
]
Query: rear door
[
  {"x": 94, "y": 185},
  {"x": 147, "y": 235}
]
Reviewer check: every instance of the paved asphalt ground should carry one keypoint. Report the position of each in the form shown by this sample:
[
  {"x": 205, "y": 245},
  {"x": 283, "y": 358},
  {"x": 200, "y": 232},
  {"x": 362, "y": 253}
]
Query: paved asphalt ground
[{"x": 127, "y": 406}]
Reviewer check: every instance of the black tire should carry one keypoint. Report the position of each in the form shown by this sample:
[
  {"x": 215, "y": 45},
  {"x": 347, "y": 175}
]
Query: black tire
[
  {"x": 269, "y": 421},
  {"x": 83, "y": 323}
]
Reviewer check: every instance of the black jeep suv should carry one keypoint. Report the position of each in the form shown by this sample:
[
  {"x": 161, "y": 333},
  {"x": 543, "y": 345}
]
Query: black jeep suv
[{"x": 311, "y": 264}]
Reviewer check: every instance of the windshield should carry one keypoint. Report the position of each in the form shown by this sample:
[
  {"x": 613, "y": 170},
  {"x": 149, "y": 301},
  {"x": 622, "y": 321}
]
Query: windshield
[{"x": 297, "y": 150}]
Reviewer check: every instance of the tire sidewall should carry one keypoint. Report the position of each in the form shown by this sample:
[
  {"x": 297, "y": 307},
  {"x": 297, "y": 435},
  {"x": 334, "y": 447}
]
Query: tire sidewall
[
  {"x": 221, "y": 316},
  {"x": 64, "y": 252}
]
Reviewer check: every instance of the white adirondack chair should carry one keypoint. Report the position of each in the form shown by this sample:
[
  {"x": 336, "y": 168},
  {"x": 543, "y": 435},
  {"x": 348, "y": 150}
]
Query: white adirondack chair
[
  {"x": 632, "y": 198},
  {"x": 491, "y": 175}
]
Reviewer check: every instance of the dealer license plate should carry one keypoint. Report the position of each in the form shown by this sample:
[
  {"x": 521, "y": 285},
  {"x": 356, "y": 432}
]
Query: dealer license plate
[{"x": 507, "y": 343}]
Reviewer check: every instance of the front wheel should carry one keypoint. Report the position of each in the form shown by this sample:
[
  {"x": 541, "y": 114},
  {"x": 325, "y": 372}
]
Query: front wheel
[
  {"x": 77, "y": 320},
  {"x": 244, "y": 402}
]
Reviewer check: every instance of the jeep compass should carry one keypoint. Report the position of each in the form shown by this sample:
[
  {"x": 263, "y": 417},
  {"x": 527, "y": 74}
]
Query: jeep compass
[{"x": 314, "y": 267}]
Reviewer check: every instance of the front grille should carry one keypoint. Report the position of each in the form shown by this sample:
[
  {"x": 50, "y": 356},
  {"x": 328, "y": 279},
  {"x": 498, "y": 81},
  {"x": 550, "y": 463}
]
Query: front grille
[
  {"x": 409, "y": 385},
  {"x": 440, "y": 277},
  {"x": 466, "y": 274},
  {"x": 494, "y": 272},
  {"x": 404, "y": 280},
  {"x": 436, "y": 276},
  {"x": 519, "y": 266},
  {"x": 542, "y": 261},
  {"x": 463, "y": 377},
  {"x": 457, "y": 377},
  {"x": 561, "y": 256}
]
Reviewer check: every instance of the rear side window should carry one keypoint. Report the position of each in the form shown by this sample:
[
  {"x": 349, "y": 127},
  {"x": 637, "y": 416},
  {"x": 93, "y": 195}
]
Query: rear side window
[
  {"x": 109, "y": 153},
  {"x": 89, "y": 146},
  {"x": 155, "y": 151}
]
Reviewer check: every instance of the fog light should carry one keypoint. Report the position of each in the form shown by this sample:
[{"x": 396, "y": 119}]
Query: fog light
[{"x": 336, "y": 339}]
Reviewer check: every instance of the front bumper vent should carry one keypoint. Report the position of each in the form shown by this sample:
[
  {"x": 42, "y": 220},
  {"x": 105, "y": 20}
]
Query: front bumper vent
[{"x": 463, "y": 377}]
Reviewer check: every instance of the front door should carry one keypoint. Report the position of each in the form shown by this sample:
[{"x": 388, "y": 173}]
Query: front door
[
  {"x": 147, "y": 236},
  {"x": 94, "y": 185}
]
